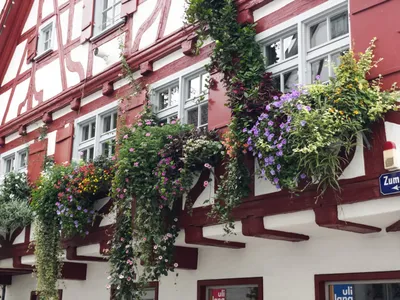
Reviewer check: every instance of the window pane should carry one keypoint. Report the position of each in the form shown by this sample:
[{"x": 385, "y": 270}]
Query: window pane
[
  {"x": 117, "y": 11},
  {"x": 85, "y": 133},
  {"x": 10, "y": 165},
  {"x": 276, "y": 82},
  {"x": 84, "y": 155},
  {"x": 335, "y": 61},
  {"x": 233, "y": 293},
  {"x": 91, "y": 153},
  {"x": 273, "y": 53},
  {"x": 365, "y": 291},
  {"x": 204, "y": 114},
  {"x": 192, "y": 116},
  {"x": 290, "y": 79},
  {"x": 318, "y": 34},
  {"x": 114, "y": 122},
  {"x": 290, "y": 45},
  {"x": 339, "y": 25},
  {"x": 22, "y": 159},
  {"x": 320, "y": 68},
  {"x": 92, "y": 130},
  {"x": 204, "y": 82},
  {"x": 108, "y": 19},
  {"x": 150, "y": 294},
  {"x": 107, "y": 123},
  {"x": 107, "y": 4},
  {"x": 194, "y": 87},
  {"x": 163, "y": 99},
  {"x": 174, "y": 95}
]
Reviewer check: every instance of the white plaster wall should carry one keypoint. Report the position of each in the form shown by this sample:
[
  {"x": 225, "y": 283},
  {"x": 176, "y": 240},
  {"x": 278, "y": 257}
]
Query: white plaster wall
[
  {"x": 77, "y": 21},
  {"x": 176, "y": 16},
  {"x": 48, "y": 79},
  {"x": 143, "y": 12},
  {"x": 4, "y": 100},
  {"x": 48, "y": 8},
  {"x": 150, "y": 36},
  {"x": 109, "y": 53},
  {"x": 92, "y": 288},
  {"x": 287, "y": 269},
  {"x": 32, "y": 18},
  {"x": 78, "y": 54},
  {"x": 64, "y": 25},
  {"x": 19, "y": 96},
  {"x": 51, "y": 142},
  {"x": 60, "y": 2},
  {"x": 15, "y": 62}
]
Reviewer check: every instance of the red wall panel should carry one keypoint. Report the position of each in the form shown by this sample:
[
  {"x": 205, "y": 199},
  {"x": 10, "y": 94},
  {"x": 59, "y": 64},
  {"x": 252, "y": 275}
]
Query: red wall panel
[
  {"x": 37, "y": 155},
  {"x": 218, "y": 114},
  {"x": 380, "y": 19},
  {"x": 64, "y": 142}
]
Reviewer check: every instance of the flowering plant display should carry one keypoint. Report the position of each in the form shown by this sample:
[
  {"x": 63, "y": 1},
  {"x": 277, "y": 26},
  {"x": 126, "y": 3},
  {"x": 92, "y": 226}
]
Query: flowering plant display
[
  {"x": 63, "y": 203},
  {"x": 303, "y": 134},
  {"x": 155, "y": 168}
]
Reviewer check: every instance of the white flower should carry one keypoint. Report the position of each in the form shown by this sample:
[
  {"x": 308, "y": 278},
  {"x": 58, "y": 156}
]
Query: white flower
[
  {"x": 175, "y": 265},
  {"x": 121, "y": 276}
]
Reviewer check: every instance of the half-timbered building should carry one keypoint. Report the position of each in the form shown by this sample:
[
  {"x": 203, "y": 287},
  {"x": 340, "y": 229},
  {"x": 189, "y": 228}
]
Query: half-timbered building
[{"x": 60, "y": 69}]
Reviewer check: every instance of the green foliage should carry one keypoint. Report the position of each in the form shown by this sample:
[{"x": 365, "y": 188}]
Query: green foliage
[
  {"x": 310, "y": 132},
  {"x": 63, "y": 202},
  {"x": 14, "y": 208},
  {"x": 238, "y": 57},
  {"x": 156, "y": 166}
]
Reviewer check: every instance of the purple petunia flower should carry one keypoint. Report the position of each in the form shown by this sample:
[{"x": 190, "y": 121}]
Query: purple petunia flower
[
  {"x": 276, "y": 180},
  {"x": 79, "y": 208},
  {"x": 318, "y": 77},
  {"x": 303, "y": 123},
  {"x": 302, "y": 176},
  {"x": 299, "y": 106},
  {"x": 272, "y": 172},
  {"x": 278, "y": 167},
  {"x": 270, "y": 137},
  {"x": 270, "y": 123},
  {"x": 244, "y": 129},
  {"x": 279, "y": 153}
]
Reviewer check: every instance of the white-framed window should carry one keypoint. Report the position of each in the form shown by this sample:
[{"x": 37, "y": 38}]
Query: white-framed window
[
  {"x": 183, "y": 96},
  {"x": 15, "y": 160},
  {"x": 307, "y": 46},
  {"x": 107, "y": 15},
  {"x": 46, "y": 38},
  {"x": 95, "y": 134}
]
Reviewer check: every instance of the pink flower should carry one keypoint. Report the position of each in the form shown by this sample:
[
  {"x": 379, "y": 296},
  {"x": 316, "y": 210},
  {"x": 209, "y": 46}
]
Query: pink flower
[
  {"x": 144, "y": 239},
  {"x": 173, "y": 122},
  {"x": 208, "y": 166},
  {"x": 205, "y": 183},
  {"x": 169, "y": 137},
  {"x": 128, "y": 278},
  {"x": 126, "y": 179},
  {"x": 175, "y": 265},
  {"x": 131, "y": 150},
  {"x": 113, "y": 158},
  {"x": 155, "y": 247},
  {"x": 136, "y": 164},
  {"x": 125, "y": 136},
  {"x": 140, "y": 124},
  {"x": 160, "y": 257},
  {"x": 80, "y": 153},
  {"x": 161, "y": 206},
  {"x": 108, "y": 286},
  {"x": 122, "y": 239},
  {"x": 148, "y": 134},
  {"x": 162, "y": 124}
]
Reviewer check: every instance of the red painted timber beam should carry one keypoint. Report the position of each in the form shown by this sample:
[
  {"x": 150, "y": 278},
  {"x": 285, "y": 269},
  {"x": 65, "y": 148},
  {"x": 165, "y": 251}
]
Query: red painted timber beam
[
  {"x": 186, "y": 257},
  {"x": 328, "y": 217},
  {"x": 73, "y": 255},
  {"x": 194, "y": 236},
  {"x": 254, "y": 226},
  {"x": 74, "y": 271},
  {"x": 394, "y": 227}
]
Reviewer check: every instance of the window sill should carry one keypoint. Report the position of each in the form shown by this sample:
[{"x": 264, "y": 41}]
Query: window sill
[
  {"x": 43, "y": 55},
  {"x": 107, "y": 31}
]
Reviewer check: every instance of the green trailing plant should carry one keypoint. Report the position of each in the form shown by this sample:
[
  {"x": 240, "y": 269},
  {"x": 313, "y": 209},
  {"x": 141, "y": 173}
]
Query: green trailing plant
[
  {"x": 63, "y": 203},
  {"x": 14, "y": 208},
  {"x": 156, "y": 167},
  {"x": 238, "y": 57}
]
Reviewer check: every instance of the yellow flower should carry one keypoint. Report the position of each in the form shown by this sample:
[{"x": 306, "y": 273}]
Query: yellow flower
[
  {"x": 341, "y": 112},
  {"x": 331, "y": 110},
  {"x": 356, "y": 112}
]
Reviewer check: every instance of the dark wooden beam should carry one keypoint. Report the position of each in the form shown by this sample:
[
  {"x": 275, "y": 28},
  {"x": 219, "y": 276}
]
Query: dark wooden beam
[
  {"x": 194, "y": 236},
  {"x": 186, "y": 257},
  {"x": 73, "y": 255},
  {"x": 5, "y": 279},
  {"x": 74, "y": 271},
  {"x": 254, "y": 226},
  {"x": 328, "y": 217}
]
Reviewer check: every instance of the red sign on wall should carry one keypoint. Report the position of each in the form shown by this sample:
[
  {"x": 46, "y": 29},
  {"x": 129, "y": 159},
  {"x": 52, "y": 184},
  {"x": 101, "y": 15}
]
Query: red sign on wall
[{"x": 218, "y": 294}]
